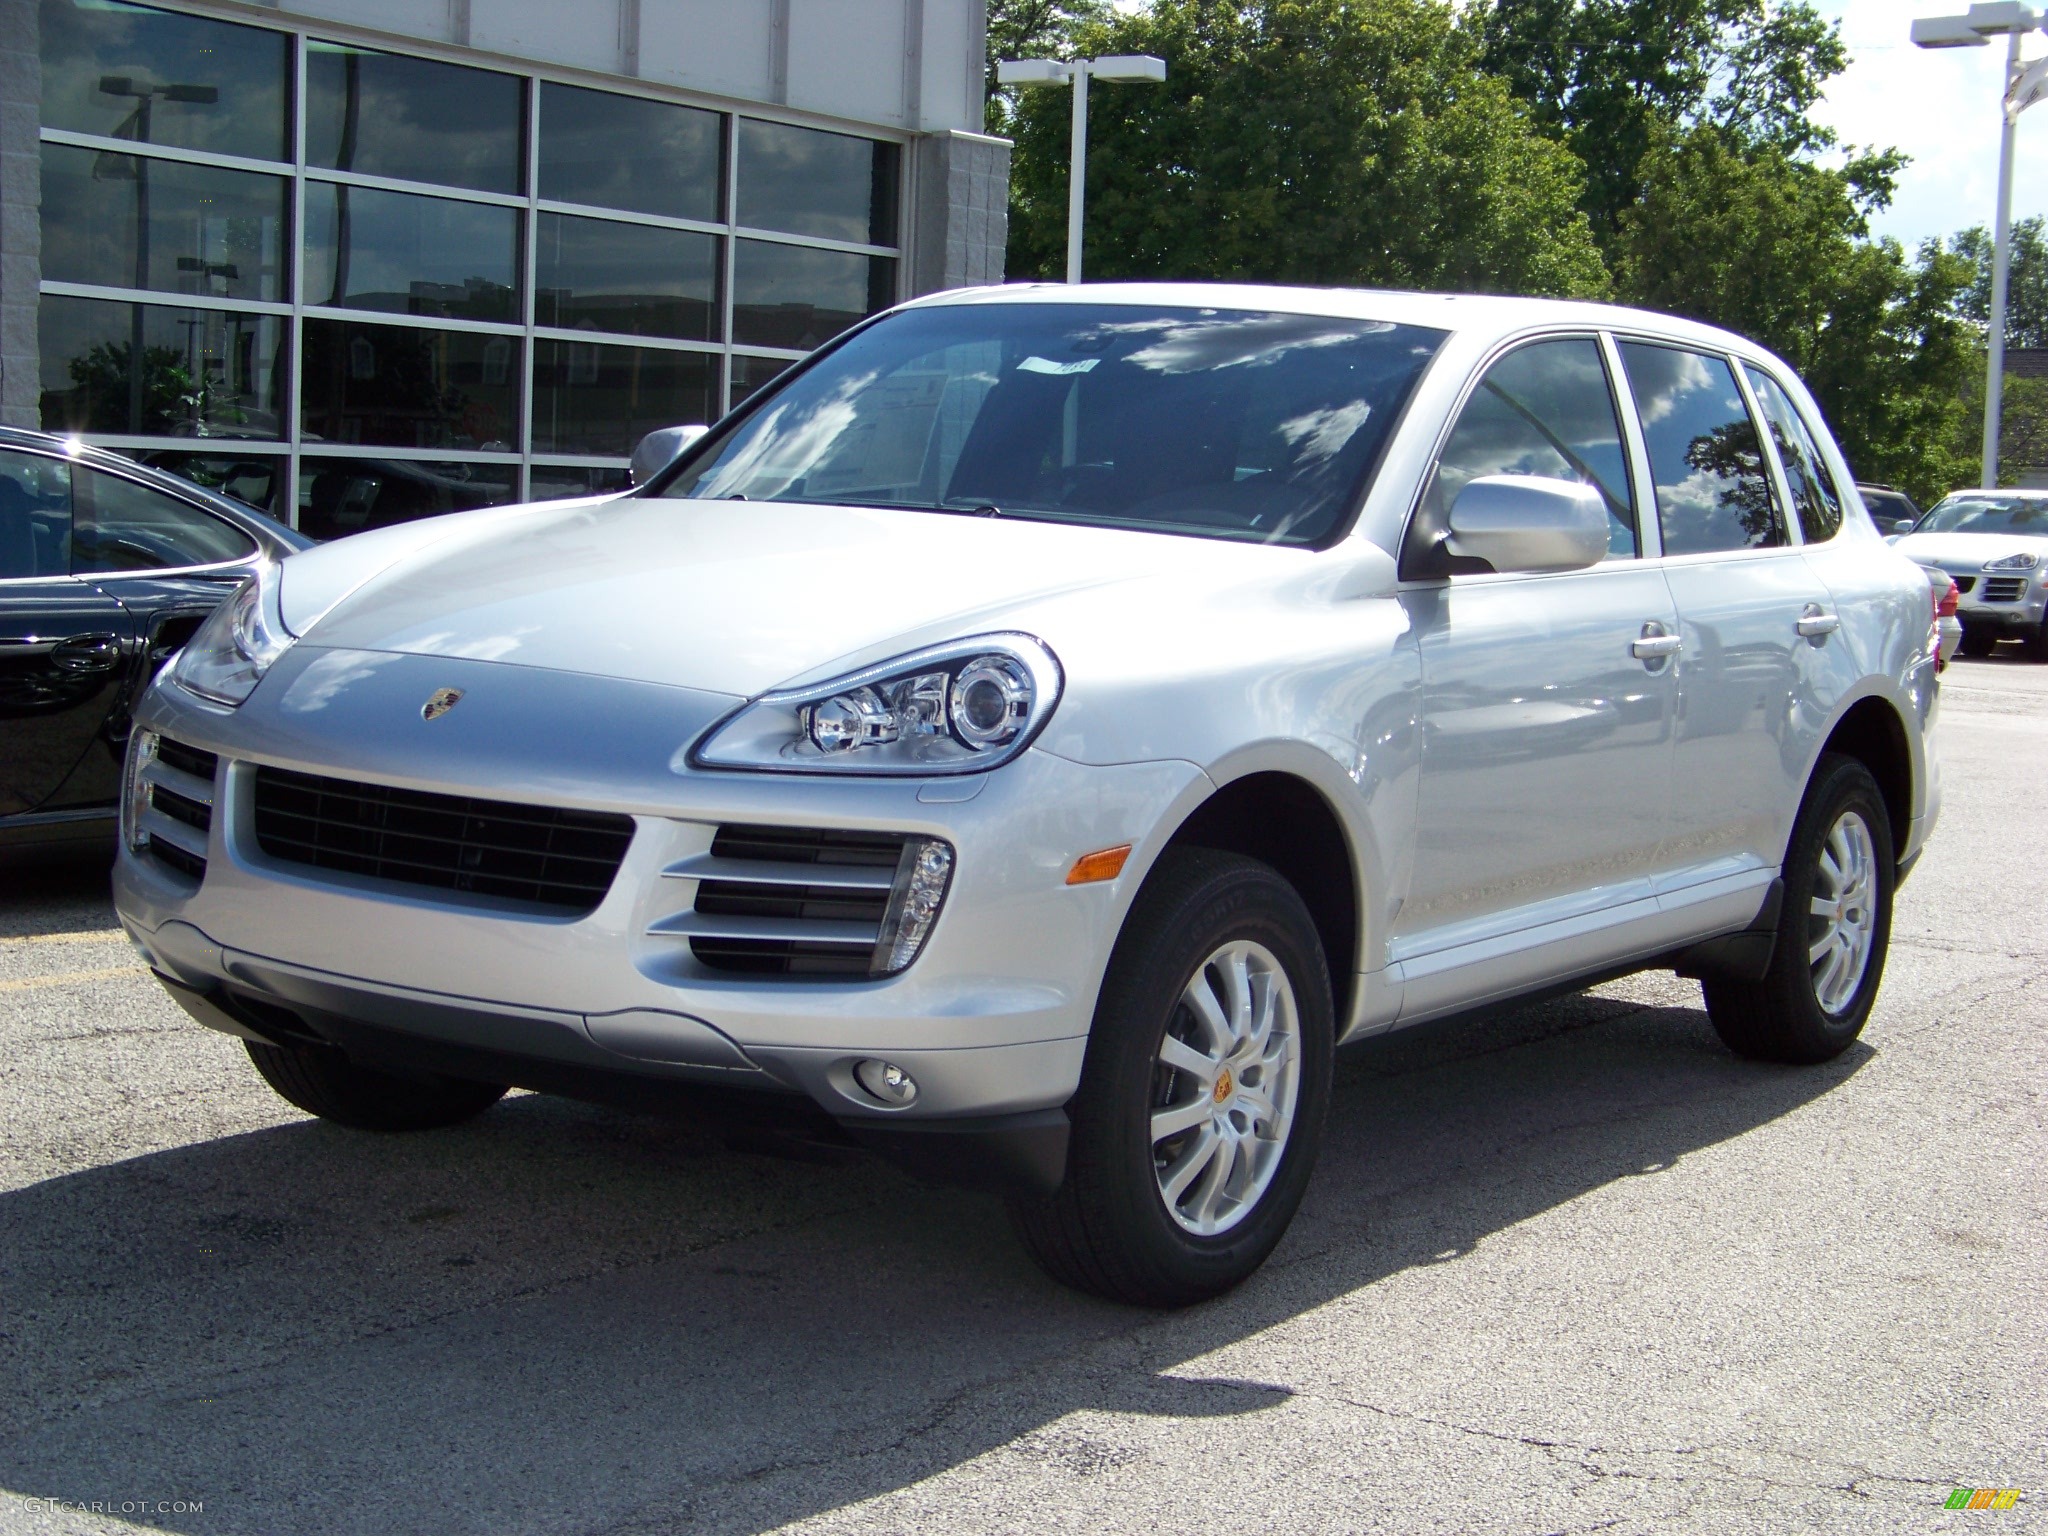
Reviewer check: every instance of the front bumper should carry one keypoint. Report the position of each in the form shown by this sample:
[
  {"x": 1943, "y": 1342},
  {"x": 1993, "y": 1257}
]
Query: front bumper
[
  {"x": 2014, "y": 616},
  {"x": 991, "y": 1020}
]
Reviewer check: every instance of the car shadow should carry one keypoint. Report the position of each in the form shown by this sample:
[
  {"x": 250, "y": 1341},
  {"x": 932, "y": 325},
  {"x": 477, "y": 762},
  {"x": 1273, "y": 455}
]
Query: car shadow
[{"x": 558, "y": 1316}]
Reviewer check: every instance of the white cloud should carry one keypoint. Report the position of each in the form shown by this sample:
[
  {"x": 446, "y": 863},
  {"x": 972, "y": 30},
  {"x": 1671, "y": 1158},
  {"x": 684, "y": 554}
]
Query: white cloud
[{"x": 1939, "y": 106}]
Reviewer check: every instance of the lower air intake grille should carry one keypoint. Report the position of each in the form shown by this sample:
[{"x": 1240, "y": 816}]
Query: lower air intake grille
[
  {"x": 178, "y": 787},
  {"x": 799, "y": 901},
  {"x": 1964, "y": 583},
  {"x": 538, "y": 856}
]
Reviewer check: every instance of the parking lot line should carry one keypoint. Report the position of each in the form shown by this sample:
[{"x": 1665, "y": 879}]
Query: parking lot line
[{"x": 61, "y": 978}]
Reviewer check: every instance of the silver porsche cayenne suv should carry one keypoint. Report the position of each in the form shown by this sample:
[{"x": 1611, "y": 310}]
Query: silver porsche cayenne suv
[{"x": 1029, "y": 738}]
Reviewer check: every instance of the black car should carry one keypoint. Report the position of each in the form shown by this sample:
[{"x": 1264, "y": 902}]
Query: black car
[
  {"x": 1889, "y": 506},
  {"x": 106, "y": 568}
]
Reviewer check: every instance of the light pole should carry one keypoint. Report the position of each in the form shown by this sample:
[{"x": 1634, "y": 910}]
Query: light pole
[
  {"x": 1132, "y": 67},
  {"x": 2024, "y": 85}
]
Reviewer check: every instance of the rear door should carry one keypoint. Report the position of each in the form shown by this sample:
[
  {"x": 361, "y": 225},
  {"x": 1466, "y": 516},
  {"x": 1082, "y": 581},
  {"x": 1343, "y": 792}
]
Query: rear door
[
  {"x": 63, "y": 641},
  {"x": 1755, "y": 620}
]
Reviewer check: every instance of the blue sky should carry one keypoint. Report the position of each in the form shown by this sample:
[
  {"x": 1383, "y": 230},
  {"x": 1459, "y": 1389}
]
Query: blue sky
[{"x": 1940, "y": 107}]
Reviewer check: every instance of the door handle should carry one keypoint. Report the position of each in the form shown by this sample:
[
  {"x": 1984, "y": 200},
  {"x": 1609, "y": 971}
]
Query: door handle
[
  {"x": 1817, "y": 624},
  {"x": 86, "y": 653},
  {"x": 1655, "y": 643}
]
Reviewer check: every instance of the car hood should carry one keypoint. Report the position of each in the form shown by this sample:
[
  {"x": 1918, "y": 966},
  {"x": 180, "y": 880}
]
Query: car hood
[
  {"x": 721, "y": 596},
  {"x": 1967, "y": 553}
]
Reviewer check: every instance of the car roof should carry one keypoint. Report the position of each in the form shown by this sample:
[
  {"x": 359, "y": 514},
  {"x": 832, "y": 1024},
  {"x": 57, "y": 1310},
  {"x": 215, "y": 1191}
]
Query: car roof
[
  {"x": 1500, "y": 314},
  {"x": 250, "y": 519}
]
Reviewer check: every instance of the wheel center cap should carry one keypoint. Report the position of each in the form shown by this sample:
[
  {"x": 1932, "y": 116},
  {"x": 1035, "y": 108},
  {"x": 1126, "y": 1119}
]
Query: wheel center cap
[{"x": 1225, "y": 1085}]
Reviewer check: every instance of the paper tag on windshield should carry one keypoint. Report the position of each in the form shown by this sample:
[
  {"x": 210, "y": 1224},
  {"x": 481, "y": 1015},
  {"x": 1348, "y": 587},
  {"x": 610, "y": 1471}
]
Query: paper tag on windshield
[{"x": 1047, "y": 365}]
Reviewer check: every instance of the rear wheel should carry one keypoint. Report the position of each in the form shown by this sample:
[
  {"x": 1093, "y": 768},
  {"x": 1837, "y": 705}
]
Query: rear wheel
[
  {"x": 324, "y": 1082},
  {"x": 1977, "y": 642},
  {"x": 1833, "y": 928},
  {"x": 1201, "y": 1105}
]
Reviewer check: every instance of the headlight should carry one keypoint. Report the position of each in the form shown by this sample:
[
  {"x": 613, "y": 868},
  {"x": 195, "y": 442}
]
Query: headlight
[
  {"x": 959, "y": 708},
  {"x": 2020, "y": 562},
  {"x": 234, "y": 648}
]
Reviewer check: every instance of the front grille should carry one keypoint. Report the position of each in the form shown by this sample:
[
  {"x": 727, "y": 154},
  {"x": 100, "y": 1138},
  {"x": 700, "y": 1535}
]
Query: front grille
[
  {"x": 2004, "y": 589},
  {"x": 1964, "y": 583},
  {"x": 179, "y": 788},
  {"x": 794, "y": 901},
  {"x": 551, "y": 860}
]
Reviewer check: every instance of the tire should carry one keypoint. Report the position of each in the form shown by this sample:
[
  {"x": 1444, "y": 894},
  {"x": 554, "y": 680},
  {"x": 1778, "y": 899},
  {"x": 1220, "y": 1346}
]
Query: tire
[
  {"x": 1978, "y": 643},
  {"x": 1108, "y": 1229},
  {"x": 1812, "y": 1003},
  {"x": 326, "y": 1083},
  {"x": 2037, "y": 642}
]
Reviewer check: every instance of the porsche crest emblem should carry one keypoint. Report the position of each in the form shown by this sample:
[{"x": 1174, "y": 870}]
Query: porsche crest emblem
[{"x": 440, "y": 702}]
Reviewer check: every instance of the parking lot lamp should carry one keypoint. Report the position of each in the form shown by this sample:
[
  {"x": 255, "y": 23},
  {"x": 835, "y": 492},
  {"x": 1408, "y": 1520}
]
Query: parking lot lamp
[
  {"x": 1131, "y": 67},
  {"x": 2025, "y": 84}
]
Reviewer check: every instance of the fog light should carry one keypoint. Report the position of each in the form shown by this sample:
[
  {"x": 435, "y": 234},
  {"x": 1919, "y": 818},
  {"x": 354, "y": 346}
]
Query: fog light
[
  {"x": 886, "y": 1081},
  {"x": 135, "y": 798}
]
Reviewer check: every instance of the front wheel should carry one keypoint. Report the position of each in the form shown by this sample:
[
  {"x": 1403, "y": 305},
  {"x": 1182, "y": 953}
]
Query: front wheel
[
  {"x": 1977, "y": 642},
  {"x": 2037, "y": 642},
  {"x": 1833, "y": 928},
  {"x": 1202, "y": 1101}
]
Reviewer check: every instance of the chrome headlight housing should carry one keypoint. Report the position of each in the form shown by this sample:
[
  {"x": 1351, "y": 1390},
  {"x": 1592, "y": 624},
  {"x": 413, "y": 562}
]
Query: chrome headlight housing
[
  {"x": 237, "y": 644},
  {"x": 964, "y": 707},
  {"x": 2019, "y": 562}
]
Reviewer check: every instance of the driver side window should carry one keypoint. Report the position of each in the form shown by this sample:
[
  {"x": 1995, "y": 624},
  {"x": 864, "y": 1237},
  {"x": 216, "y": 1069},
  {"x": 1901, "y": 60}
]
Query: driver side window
[
  {"x": 35, "y": 516},
  {"x": 119, "y": 525},
  {"x": 1544, "y": 409}
]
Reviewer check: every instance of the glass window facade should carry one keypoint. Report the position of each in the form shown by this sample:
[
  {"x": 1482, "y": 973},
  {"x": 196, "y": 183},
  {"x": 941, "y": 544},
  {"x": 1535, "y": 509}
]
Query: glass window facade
[{"x": 403, "y": 285}]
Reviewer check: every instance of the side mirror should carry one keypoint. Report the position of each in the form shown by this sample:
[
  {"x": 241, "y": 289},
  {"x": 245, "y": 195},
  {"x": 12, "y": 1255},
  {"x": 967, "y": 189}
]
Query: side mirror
[
  {"x": 659, "y": 448},
  {"x": 1903, "y": 525},
  {"x": 1528, "y": 523}
]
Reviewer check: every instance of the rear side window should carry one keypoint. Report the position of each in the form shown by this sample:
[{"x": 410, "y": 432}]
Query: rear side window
[
  {"x": 1806, "y": 473},
  {"x": 118, "y": 525},
  {"x": 1705, "y": 454},
  {"x": 1544, "y": 409},
  {"x": 35, "y": 516}
]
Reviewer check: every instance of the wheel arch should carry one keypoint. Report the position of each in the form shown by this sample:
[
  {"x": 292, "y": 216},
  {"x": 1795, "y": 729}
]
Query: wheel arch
[{"x": 1872, "y": 731}]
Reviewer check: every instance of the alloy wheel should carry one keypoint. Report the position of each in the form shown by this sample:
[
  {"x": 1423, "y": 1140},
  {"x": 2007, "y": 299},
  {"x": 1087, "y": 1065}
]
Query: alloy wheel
[{"x": 1842, "y": 919}]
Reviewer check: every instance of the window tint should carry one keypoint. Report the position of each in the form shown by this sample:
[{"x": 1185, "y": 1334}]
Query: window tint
[
  {"x": 1222, "y": 423},
  {"x": 804, "y": 181},
  {"x": 603, "y": 400},
  {"x": 1806, "y": 473},
  {"x": 750, "y": 373},
  {"x": 1545, "y": 410},
  {"x": 35, "y": 516},
  {"x": 367, "y": 249},
  {"x": 255, "y": 480},
  {"x": 1705, "y": 456},
  {"x": 384, "y": 114},
  {"x": 403, "y": 387},
  {"x": 623, "y": 152},
  {"x": 212, "y": 233},
  {"x": 594, "y": 274},
  {"x": 339, "y": 496},
  {"x": 201, "y": 373},
  {"x": 155, "y": 76},
  {"x": 800, "y": 296},
  {"x": 122, "y": 526}
]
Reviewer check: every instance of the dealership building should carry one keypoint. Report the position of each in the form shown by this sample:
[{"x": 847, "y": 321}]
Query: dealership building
[{"x": 363, "y": 260}]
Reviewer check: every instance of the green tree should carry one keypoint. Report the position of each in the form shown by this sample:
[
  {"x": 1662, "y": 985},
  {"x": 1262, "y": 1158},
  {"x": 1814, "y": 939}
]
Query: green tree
[
  {"x": 2026, "y": 294},
  {"x": 1750, "y": 236},
  {"x": 1606, "y": 76},
  {"x": 1308, "y": 141},
  {"x": 1030, "y": 29}
]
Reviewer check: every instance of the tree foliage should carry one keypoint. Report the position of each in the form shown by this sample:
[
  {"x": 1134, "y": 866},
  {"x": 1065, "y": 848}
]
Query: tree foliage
[
  {"x": 2026, "y": 295},
  {"x": 1347, "y": 142}
]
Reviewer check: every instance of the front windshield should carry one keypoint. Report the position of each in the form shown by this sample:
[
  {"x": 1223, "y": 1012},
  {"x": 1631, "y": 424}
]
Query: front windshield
[
  {"x": 1980, "y": 512},
  {"x": 1223, "y": 423}
]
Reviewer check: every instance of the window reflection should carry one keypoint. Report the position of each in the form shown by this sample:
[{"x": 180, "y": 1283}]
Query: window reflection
[
  {"x": 409, "y": 255},
  {"x": 801, "y": 297},
  {"x": 400, "y": 387},
  {"x": 750, "y": 373},
  {"x": 340, "y": 496},
  {"x": 207, "y": 233},
  {"x": 384, "y": 114},
  {"x": 803, "y": 181},
  {"x": 602, "y": 400},
  {"x": 624, "y": 152},
  {"x": 559, "y": 482},
  {"x": 202, "y": 373},
  {"x": 593, "y": 274},
  {"x": 1712, "y": 492},
  {"x": 254, "y": 479},
  {"x": 135, "y": 73}
]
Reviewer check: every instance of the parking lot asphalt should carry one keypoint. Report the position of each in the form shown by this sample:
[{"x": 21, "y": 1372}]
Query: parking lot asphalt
[{"x": 1574, "y": 1269}]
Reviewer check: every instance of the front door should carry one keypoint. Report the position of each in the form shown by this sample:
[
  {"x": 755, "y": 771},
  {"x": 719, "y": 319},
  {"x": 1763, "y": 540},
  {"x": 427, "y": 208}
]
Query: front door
[{"x": 1547, "y": 705}]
